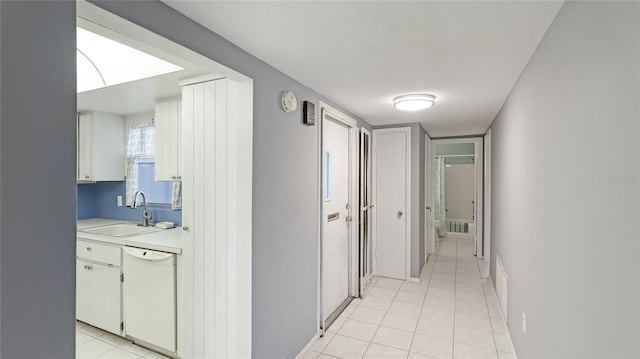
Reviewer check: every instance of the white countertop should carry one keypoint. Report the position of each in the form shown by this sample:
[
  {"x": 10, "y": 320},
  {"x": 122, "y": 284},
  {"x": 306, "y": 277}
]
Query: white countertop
[{"x": 168, "y": 240}]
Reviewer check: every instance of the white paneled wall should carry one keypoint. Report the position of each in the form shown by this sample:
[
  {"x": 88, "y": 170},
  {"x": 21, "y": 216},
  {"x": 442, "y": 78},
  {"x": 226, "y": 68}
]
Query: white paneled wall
[{"x": 217, "y": 164}]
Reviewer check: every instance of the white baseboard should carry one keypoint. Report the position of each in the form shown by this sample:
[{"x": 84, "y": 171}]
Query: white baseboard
[
  {"x": 308, "y": 346},
  {"x": 504, "y": 322}
]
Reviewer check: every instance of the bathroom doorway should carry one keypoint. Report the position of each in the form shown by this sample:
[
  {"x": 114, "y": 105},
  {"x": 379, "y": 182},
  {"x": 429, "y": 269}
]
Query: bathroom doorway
[{"x": 458, "y": 190}]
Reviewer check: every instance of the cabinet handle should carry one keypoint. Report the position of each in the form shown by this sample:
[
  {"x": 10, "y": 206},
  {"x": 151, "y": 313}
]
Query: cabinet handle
[
  {"x": 173, "y": 177},
  {"x": 88, "y": 249},
  {"x": 86, "y": 176},
  {"x": 184, "y": 228}
]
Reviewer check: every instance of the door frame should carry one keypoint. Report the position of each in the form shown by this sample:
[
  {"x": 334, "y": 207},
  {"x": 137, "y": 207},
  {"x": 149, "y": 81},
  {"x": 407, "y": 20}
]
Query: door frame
[
  {"x": 366, "y": 254},
  {"x": 479, "y": 187},
  {"x": 374, "y": 195},
  {"x": 352, "y": 125},
  {"x": 429, "y": 225},
  {"x": 487, "y": 197}
]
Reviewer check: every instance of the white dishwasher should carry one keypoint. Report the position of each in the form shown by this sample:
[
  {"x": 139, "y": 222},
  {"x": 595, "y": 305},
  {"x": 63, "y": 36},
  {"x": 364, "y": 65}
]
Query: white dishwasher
[{"x": 149, "y": 297}]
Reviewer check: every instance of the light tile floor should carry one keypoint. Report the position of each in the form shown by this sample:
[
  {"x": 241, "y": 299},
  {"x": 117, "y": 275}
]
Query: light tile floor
[
  {"x": 92, "y": 343},
  {"x": 452, "y": 313}
]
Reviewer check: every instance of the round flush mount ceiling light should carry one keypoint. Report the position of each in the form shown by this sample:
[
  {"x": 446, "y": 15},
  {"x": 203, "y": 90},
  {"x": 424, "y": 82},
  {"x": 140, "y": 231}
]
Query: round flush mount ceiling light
[{"x": 414, "y": 102}]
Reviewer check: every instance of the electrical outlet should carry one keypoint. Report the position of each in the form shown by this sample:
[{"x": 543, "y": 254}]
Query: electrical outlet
[
  {"x": 524, "y": 323},
  {"x": 119, "y": 201}
]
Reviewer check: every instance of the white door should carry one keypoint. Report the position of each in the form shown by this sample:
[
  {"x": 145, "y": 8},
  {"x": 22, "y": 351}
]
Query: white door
[
  {"x": 392, "y": 166},
  {"x": 335, "y": 220}
]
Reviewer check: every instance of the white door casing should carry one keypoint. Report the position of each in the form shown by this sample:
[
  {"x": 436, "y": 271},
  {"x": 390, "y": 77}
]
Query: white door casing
[
  {"x": 429, "y": 222},
  {"x": 391, "y": 191},
  {"x": 364, "y": 234},
  {"x": 479, "y": 185},
  {"x": 487, "y": 196},
  {"x": 338, "y": 122}
]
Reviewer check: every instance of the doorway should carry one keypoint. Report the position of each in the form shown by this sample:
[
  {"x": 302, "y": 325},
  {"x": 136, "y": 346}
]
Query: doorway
[
  {"x": 458, "y": 190},
  {"x": 213, "y": 289},
  {"x": 391, "y": 195},
  {"x": 338, "y": 281}
]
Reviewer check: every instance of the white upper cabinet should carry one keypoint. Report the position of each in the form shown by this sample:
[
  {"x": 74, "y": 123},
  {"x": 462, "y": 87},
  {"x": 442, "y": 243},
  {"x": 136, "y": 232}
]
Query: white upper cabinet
[
  {"x": 101, "y": 147},
  {"x": 168, "y": 123}
]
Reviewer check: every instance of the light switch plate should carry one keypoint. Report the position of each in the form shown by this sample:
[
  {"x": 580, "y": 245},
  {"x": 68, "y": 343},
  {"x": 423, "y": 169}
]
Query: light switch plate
[{"x": 119, "y": 201}]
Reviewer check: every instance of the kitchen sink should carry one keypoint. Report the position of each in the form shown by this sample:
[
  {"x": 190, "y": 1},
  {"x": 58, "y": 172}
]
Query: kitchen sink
[{"x": 122, "y": 230}]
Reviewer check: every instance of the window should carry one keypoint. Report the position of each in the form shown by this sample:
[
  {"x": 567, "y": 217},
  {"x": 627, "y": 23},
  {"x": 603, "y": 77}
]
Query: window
[
  {"x": 326, "y": 187},
  {"x": 156, "y": 192}
]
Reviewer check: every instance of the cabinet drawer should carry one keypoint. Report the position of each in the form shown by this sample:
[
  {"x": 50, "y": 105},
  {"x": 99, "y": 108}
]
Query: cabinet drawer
[{"x": 99, "y": 252}]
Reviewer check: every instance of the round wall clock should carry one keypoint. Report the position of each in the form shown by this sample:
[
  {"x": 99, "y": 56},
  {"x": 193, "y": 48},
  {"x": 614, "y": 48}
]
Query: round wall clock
[{"x": 289, "y": 101}]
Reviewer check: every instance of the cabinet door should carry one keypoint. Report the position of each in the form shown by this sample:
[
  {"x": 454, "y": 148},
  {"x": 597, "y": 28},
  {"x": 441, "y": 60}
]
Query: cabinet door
[
  {"x": 99, "y": 295},
  {"x": 110, "y": 147},
  {"x": 83, "y": 291},
  {"x": 168, "y": 140},
  {"x": 85, "y": 148}
]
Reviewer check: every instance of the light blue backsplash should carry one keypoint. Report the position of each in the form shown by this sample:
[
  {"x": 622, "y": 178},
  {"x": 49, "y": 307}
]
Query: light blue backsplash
[{"x": 99, "y": 200}]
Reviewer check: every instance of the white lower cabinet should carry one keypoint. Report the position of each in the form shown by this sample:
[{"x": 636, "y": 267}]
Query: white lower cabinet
[{"x": 98, "y": 288}]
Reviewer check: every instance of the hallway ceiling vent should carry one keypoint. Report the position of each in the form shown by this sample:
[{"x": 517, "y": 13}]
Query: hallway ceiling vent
[
  {"x": 103, "y": 62},
  {"x": 414, "y": 102}
]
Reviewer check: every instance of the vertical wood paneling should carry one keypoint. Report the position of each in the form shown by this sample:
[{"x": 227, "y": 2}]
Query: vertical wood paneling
[
  {"x": 186, "y": 271},
  {"x": 217, "y": 206},
  {"x": 221, "y": 268},
  {"x": 232, "y": 218},
  {"x": 200, "y": 224},
  {"x": 209, "y": 235}
]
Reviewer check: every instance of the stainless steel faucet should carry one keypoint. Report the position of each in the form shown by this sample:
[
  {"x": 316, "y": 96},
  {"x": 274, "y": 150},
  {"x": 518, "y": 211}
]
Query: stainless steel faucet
[{"x": 134, "y": 204}]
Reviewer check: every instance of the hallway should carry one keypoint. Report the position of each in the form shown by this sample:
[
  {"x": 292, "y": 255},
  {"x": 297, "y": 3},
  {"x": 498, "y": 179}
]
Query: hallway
[{"x": 452, "y": 313}]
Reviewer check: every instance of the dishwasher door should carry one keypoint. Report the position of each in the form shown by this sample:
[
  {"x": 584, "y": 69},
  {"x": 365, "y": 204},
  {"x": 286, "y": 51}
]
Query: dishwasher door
[{"x": 149, "y": 297}]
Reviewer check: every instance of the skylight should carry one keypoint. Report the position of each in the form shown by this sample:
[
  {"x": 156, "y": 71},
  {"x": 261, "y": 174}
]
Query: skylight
[{"x": 102, "y": 62}]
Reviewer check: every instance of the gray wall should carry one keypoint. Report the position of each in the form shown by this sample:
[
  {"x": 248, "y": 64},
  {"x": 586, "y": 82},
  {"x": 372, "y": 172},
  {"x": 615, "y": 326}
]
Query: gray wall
[
  {"x": 417, "y": 195},
  {"x": 37, "y": 186},
  {"x": 565, "y": 187},
  {"x": 285, "y": 185}
]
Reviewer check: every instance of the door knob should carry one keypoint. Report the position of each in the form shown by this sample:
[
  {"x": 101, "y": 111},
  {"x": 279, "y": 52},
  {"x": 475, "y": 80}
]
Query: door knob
[
  {"x": 400, "y": 214},
  {"x": 429, "y": 207}
]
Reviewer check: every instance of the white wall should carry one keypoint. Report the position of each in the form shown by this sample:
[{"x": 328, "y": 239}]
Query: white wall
[
  {"x": 566, "y": 165},
  {"x": 460, "y": 191}
]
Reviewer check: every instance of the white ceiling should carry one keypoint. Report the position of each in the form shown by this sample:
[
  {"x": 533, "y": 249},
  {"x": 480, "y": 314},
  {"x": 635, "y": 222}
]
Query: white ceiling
[{"x": 361, "y": 54}]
